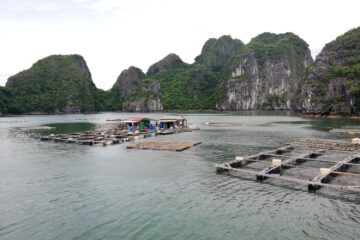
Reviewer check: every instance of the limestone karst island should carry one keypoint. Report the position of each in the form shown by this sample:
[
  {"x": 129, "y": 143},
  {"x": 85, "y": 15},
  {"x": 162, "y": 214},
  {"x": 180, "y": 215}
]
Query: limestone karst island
[
  {"x": 271, "y": 72},
  {"x": 179, "y": 120}
]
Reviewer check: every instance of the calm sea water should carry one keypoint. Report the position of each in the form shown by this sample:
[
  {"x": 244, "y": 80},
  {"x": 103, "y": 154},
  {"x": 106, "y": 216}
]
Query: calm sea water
[{"x": 68, "y": 191}]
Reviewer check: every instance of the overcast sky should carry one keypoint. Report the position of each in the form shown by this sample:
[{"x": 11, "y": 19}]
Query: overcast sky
[{"x": 114, "y": 34}]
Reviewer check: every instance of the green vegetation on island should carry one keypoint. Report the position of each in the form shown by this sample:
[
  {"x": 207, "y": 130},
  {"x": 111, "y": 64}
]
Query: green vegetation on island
[
  {"x": 272, "y": 71},
  {"x": 58, "y": 83},
  {"x": 334, "y": 80}
]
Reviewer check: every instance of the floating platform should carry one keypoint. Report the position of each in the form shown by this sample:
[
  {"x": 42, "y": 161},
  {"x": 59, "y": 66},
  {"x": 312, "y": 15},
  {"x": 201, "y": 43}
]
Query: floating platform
[
  {"x": 37, "y": 129},
  {"x": 349, "y": 131},
  {"x": 220, "y": 124},
  {"x": 177, "y": 146},
  {"x": 109, "y": 136},
  {"x": 314, "y": 163},
  {"x": 327, "y": 144},
  {"x": 106, "y": 137}
]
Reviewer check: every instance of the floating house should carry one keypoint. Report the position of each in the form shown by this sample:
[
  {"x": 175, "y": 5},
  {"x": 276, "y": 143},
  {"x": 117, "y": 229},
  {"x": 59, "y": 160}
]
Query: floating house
[
  {"x": 140, "y": 124},
  {"x": 168, "y": 122}
]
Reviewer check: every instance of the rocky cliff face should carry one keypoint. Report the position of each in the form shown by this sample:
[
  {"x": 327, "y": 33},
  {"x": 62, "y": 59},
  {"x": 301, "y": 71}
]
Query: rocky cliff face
[
  {"x": 143, "y": 93},
  {"x": 216, "y": 53},
  {"x": 171, "y": 61},
  {"x": 126, "y": 81},
  {"x": 332, "y": 83},
  {"x": 175, "y": 85},
  {"x": 267, "y": 73},
  {"x": 205, "y": 83},
  {"x": 58, "y": 83},
  {"x": 149, "y": 100}
]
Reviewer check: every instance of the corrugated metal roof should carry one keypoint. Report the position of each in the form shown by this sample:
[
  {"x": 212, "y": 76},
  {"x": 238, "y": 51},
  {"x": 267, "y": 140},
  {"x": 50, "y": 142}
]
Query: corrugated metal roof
[
  {"x": 172, "y": 118},
  {"x": 167, "y": 120},
  {"x": 128, "y": 121},
  {"x": 138, "y": 119},
  {"x": 135, "y": 119}
]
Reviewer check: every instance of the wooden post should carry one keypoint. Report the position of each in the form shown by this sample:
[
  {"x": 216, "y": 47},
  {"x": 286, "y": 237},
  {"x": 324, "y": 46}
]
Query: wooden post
[
  {"x": 321, "y": 178},
  {"x": 278, "y": 169}
]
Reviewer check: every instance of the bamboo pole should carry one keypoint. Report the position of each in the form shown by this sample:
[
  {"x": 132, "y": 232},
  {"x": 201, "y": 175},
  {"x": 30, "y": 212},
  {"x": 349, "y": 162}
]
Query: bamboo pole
[
  {"x": 268, "y": 170},
  {"x": 313, "y": 159},
  {"x": 333, "y": 172},
  {"x": 346, "y": 173}
]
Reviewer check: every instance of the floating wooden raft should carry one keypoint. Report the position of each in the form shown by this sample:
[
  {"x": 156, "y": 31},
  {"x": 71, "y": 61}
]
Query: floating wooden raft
[
  {"x": 333, "y": 158},
  {"x": 164, "y": 145},
  {"x": 345, "y": 130},
  {"x": 107, "y": 137},
  {"x": 327, "y": 144}
]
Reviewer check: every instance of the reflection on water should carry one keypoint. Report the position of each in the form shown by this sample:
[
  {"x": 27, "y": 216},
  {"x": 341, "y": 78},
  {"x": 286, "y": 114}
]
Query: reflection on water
[
  {"x": 324, "y": 125},
  {"x": 73, "y": 127},
  {"x": 68, "y": 191},
  {"x": 328, "y": 124}
]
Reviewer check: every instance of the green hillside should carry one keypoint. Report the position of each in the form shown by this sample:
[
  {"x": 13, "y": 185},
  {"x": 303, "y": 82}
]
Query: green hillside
[{"x": 58, "y": 83}]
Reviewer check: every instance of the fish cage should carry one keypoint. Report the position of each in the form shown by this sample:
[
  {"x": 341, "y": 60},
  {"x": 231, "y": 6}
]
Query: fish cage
[{"x": 315, "y": 163}]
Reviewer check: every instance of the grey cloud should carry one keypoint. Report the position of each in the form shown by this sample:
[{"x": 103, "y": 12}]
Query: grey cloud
[{"x": 38, "y": 9}]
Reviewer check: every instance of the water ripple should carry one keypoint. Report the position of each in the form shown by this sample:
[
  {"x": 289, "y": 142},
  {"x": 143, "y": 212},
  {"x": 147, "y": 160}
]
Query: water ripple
[{"x": 62, "y": 191}]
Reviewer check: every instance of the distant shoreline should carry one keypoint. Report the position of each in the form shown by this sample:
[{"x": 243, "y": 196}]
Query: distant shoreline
[
  {"x": 298, "y": 113},
  {"x": 334, "y": 116}
]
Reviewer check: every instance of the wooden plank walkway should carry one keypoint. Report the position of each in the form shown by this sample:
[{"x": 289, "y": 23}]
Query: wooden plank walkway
[{"x": 164, "y": 145}]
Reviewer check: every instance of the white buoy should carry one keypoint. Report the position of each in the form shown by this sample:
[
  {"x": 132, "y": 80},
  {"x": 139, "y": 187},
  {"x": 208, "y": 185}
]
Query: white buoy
[
  {"x": 276, "y": 162},
  {"x": 324, "y": 171},
  {"x": 107, "y": 143},
  {"x": 239, "y": 158}
]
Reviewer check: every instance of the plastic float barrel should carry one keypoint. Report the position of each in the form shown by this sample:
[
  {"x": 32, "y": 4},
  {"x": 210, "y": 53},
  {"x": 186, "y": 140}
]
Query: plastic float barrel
[
  {"x": 219, "y": 169},
  {"x": 276, "y": 162},
  {"x": 313, "y": 188},
  {"x": 260, "y": 177},
  {"x": 106, "y": 143},
  {"x": 325, "y": 171}
]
